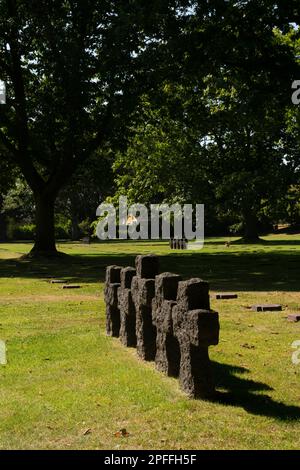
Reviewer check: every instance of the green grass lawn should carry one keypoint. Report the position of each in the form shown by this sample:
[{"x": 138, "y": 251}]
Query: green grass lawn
[{"x": 68, "y": 386}]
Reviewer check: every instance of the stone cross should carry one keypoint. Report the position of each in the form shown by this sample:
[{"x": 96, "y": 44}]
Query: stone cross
[
  {"x": 112, "y": 284},
  {"x": 167, "y": 357},
  {"x": 143, "y": 291},
  {"x": 196, "y": 327},
  {"x": 127, "y": 308}
]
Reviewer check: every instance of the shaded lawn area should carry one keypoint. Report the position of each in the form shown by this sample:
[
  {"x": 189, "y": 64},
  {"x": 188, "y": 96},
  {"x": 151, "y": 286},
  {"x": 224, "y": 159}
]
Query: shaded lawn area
[
  {"x": 67, "y": 385},
  {"x": 269, "y": 266}
]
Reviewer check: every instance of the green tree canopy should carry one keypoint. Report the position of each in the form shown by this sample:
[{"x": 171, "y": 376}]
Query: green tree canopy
[{"x": 74, "y": 70}]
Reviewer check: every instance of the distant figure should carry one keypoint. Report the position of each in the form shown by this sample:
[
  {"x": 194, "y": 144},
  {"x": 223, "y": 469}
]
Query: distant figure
[
  {"x": 227, "y": 244},
  {"x": 131, "y": 220}
]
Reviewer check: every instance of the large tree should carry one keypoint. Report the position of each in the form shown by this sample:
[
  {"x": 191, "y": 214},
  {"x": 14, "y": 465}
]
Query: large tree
[
  {"x": 74, "y": 70},
  {"x": 232, "y": 148}
]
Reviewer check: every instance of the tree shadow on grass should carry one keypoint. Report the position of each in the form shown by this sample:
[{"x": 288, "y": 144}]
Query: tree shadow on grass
[
  {"x": 73, "y": 268},
  {"x": 233, "y": 390},
  {"x": 228, "y": 271}
]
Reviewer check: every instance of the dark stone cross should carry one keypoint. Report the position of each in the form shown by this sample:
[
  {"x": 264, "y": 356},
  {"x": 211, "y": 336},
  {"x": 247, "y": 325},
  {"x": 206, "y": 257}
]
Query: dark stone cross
[
  {"x": 127, "y": 308},
  {"x": 167, "y": 357},
  {"x": 112, "y": 284},
  {"x": 143, "y": 291},
  {"x": 196, "y": 327},
  {"x": 178, "y": 243}
]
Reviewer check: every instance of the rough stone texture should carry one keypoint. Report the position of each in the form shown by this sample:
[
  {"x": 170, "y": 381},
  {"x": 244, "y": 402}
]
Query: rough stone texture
[
  {"x": 112, "y": 284},
  {"x": 147, "y": 266},
  {"x": 143, "y": 291},
  {"x": 142, "y": 294},
  {"x": 196, "y": 327},
  {"x": 166, "y": 286},
  {"x": 167, "y": 357},
  {"x": 127, "y": 308},
  {"x": 126, "y": 277},
  {"x": 267, "y": 308},
  {"x": 193, "y": 294},
  {"x": 113, "y": 274}
]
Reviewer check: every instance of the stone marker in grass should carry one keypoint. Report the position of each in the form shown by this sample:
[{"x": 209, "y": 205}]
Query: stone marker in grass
[
  {"x": 196, "y": 327},
  {"x": 167, "y": 357},
  {"x": 127, "y": 308},
  {"x": 112, "y": 283},
  {"x": 71, "y": 286},
  {"x": 294, "y": 317},
  {"x": 266, "y": 308},
  {"x": 143, "y": 290},
  {"x": 225, "y": 296}
]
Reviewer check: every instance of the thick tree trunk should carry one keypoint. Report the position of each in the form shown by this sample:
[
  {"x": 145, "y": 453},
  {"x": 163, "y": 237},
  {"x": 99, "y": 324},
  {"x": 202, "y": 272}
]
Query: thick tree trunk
[
  {"x": 45, "y": 233},
  {"x": 250, "y": 227}
]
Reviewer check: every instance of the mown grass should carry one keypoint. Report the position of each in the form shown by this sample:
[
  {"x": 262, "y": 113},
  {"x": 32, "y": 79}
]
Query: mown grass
[{"x": 68, "y": 386}]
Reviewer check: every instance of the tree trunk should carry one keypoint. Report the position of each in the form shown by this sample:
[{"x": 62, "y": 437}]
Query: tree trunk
[
  {"x": 3, "y": 236},
  {"x": 75, "y": 228},
  {"x": 2, "y": 222},
  {"x": 251, "y": 234},
  {"x": 45, "y": 233}
]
